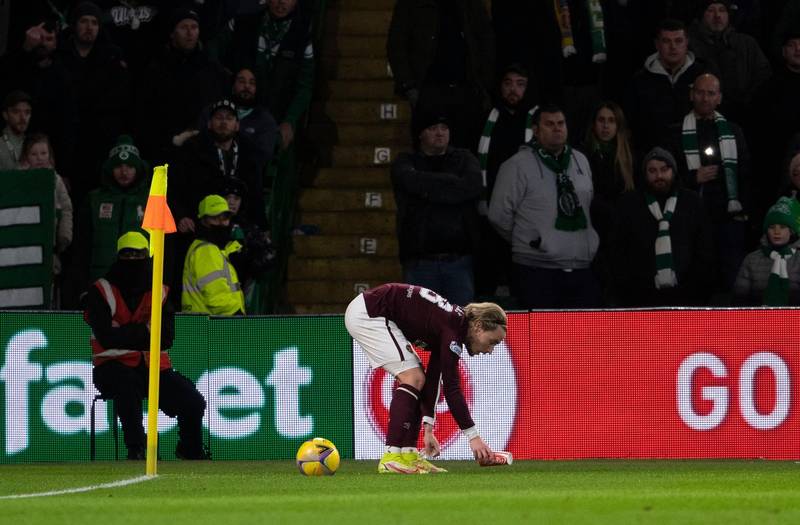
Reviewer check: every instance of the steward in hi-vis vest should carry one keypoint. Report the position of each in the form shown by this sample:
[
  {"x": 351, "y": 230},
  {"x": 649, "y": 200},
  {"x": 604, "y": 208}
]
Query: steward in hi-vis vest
[
  {"x": 210, "y": 282},
  {"x": 117, "y": 308}
]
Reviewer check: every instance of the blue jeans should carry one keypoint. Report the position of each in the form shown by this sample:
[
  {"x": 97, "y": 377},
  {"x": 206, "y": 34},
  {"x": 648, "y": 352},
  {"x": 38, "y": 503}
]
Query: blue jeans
[{"x": 450, "y": 278}]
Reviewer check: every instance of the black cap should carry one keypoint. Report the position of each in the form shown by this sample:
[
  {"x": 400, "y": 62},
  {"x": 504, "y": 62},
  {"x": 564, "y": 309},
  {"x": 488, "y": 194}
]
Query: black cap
[
  {"x": 223, "y": 104},
  {"x": 15, "y": 97},
  {"x": 704, "y": 4},
  {"x": 424, "y": 120},
  {"x": 88, "y": 9},
  {"x": 232, "y": 186},
  {"x": 182, "y": 13}
]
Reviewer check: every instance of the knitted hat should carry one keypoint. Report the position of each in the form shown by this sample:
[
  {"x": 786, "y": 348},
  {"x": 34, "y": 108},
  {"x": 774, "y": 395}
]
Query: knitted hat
[
  {"x": 663, "y": 155},
  {"x": 424, "y": 120},
  {"x": 88, "y": 9},
  {"x": 124, "y": 152},
  {"x": 212, "y": 205},
  {"x": 787, "y": 212},
  {"x": 182, "y": 13},
  {"x": 225, "y": 105},
  {"x": 704, "y": 4}
]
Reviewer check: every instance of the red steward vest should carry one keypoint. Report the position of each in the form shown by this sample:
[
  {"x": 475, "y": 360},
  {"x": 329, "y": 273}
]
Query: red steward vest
[{"x": 120, "y": 316}]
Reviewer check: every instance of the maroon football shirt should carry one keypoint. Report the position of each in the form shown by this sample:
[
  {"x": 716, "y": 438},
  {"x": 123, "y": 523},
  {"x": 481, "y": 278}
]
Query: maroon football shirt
[{"x": 430, "y": 322}]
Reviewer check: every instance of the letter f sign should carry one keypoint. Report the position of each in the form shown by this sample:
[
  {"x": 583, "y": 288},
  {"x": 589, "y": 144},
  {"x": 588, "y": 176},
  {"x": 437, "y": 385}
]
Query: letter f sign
[{"x": 16, "y": 373}]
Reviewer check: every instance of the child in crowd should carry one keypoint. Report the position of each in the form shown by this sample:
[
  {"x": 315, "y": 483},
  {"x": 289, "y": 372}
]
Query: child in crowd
[
  {"x": 37, "y": 153},
  {"x": 770, "y": 276}
]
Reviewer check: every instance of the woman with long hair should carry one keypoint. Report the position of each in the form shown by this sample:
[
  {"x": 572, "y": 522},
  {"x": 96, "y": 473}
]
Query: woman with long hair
[{"x": 608, "y": 148}]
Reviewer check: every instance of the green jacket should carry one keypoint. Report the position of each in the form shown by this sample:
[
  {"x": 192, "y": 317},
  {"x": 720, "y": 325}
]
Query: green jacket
[{"x": 108, "y": 212}]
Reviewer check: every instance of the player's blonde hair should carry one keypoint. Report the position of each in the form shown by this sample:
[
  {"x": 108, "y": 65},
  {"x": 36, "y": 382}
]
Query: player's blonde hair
[{"x": 488, "y": 315}]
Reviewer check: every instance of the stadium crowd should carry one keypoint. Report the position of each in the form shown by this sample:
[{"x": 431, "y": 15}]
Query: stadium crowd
[
  {"x": 591, "y": 153},
  {"x": 567, "y": 153},
  {"x": 101, "y": 92}
]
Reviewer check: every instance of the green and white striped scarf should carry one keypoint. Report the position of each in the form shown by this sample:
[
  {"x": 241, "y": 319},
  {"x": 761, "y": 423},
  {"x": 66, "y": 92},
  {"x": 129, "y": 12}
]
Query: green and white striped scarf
[
  {"x": 777, "y": 290},
  {"x": 665, "y": 267},
  {"x": 571, "y": 216},
  {"x": 727, "y": 150},
  {"x": 486, "y": 140},
  {"x": 596, "y": 23}
]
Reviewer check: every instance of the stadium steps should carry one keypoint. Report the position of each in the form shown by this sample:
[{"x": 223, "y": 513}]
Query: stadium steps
[
  {"x": 348, "y": 178},
  {"x": 334, "y": 293},
  {"x": 345, "y": 246},
  {"x": 376, "y": 134},
  {"x": 334, "y": 269},
  {"x": 357, "y": 68},
  {"x": 390, "y": 111},
  {"x": 355, "y": 46},
  {"x": 355, "y": 21},
  {"x": 351, "y": 222},
  {"x": 327, "y": 199},
  {"x": 364, "y": 5},
  {"x": 364, "y": 156},
  {"x": 382, "y": 90},
  {"x": 347, "y": 208}
]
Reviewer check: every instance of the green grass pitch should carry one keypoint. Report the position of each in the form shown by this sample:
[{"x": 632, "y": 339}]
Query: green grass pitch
[{"x": 571, "y": 492}]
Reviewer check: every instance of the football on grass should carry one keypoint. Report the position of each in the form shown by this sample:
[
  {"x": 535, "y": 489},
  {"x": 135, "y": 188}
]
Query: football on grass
[{"x": 318, "y": 457}]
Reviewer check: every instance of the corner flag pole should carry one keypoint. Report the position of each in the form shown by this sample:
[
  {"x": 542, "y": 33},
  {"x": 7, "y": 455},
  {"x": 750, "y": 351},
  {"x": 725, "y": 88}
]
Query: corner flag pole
[{"x": 157, "y": 221}]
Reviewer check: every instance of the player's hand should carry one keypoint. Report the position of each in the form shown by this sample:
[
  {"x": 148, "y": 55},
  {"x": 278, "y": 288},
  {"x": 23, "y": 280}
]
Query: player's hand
[
  {"x": 432, "y": 448},
  {"x": 480, "y": 449}
]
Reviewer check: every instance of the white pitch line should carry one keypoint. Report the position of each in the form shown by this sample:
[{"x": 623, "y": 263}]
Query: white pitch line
[{"x": 113, "y": 484}]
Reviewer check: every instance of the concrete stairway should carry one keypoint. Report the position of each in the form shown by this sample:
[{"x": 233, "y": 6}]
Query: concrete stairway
[{"x": 359, "y": 126}]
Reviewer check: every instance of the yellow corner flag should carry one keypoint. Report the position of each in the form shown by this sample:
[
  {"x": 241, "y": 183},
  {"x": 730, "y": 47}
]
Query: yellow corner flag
[{"x": 157, "y": 221}]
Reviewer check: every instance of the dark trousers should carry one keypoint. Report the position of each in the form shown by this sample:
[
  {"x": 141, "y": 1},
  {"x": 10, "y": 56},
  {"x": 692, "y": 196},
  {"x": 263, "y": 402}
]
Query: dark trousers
[
  {"x": 178, "y": 397},
  {"x": 536, "y": 288},
  {"x": 492, "y": 262},
  {"x": 452, "y": 278}
]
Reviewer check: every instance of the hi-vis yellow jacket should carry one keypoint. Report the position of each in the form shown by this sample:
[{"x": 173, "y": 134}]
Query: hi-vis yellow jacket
[{"x": 210, "y": 282}]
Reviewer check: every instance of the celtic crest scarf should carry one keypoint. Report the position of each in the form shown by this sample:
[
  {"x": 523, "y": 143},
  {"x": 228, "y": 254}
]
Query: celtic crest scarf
[
  {"x": 665, "y": 267},
  {"x": 570, "y": 212},
  {"x": 777, "y": 291},
  {"x": 727, "y": 150},
  {"x": 598, "y": 34}
]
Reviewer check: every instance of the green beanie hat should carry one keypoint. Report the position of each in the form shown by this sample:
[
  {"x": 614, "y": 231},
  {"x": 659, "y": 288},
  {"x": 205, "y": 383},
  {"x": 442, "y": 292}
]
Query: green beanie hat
[
  {"x": 124, "y": 152},
  {"x": 787, "y": 212}
]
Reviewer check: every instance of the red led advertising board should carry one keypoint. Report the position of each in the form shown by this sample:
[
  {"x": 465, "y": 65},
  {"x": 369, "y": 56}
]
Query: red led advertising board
[{"x": 622, "y": 384}]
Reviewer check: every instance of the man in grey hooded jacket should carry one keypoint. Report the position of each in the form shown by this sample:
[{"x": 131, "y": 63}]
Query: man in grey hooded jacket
[{"x": 540, "y": 204}]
